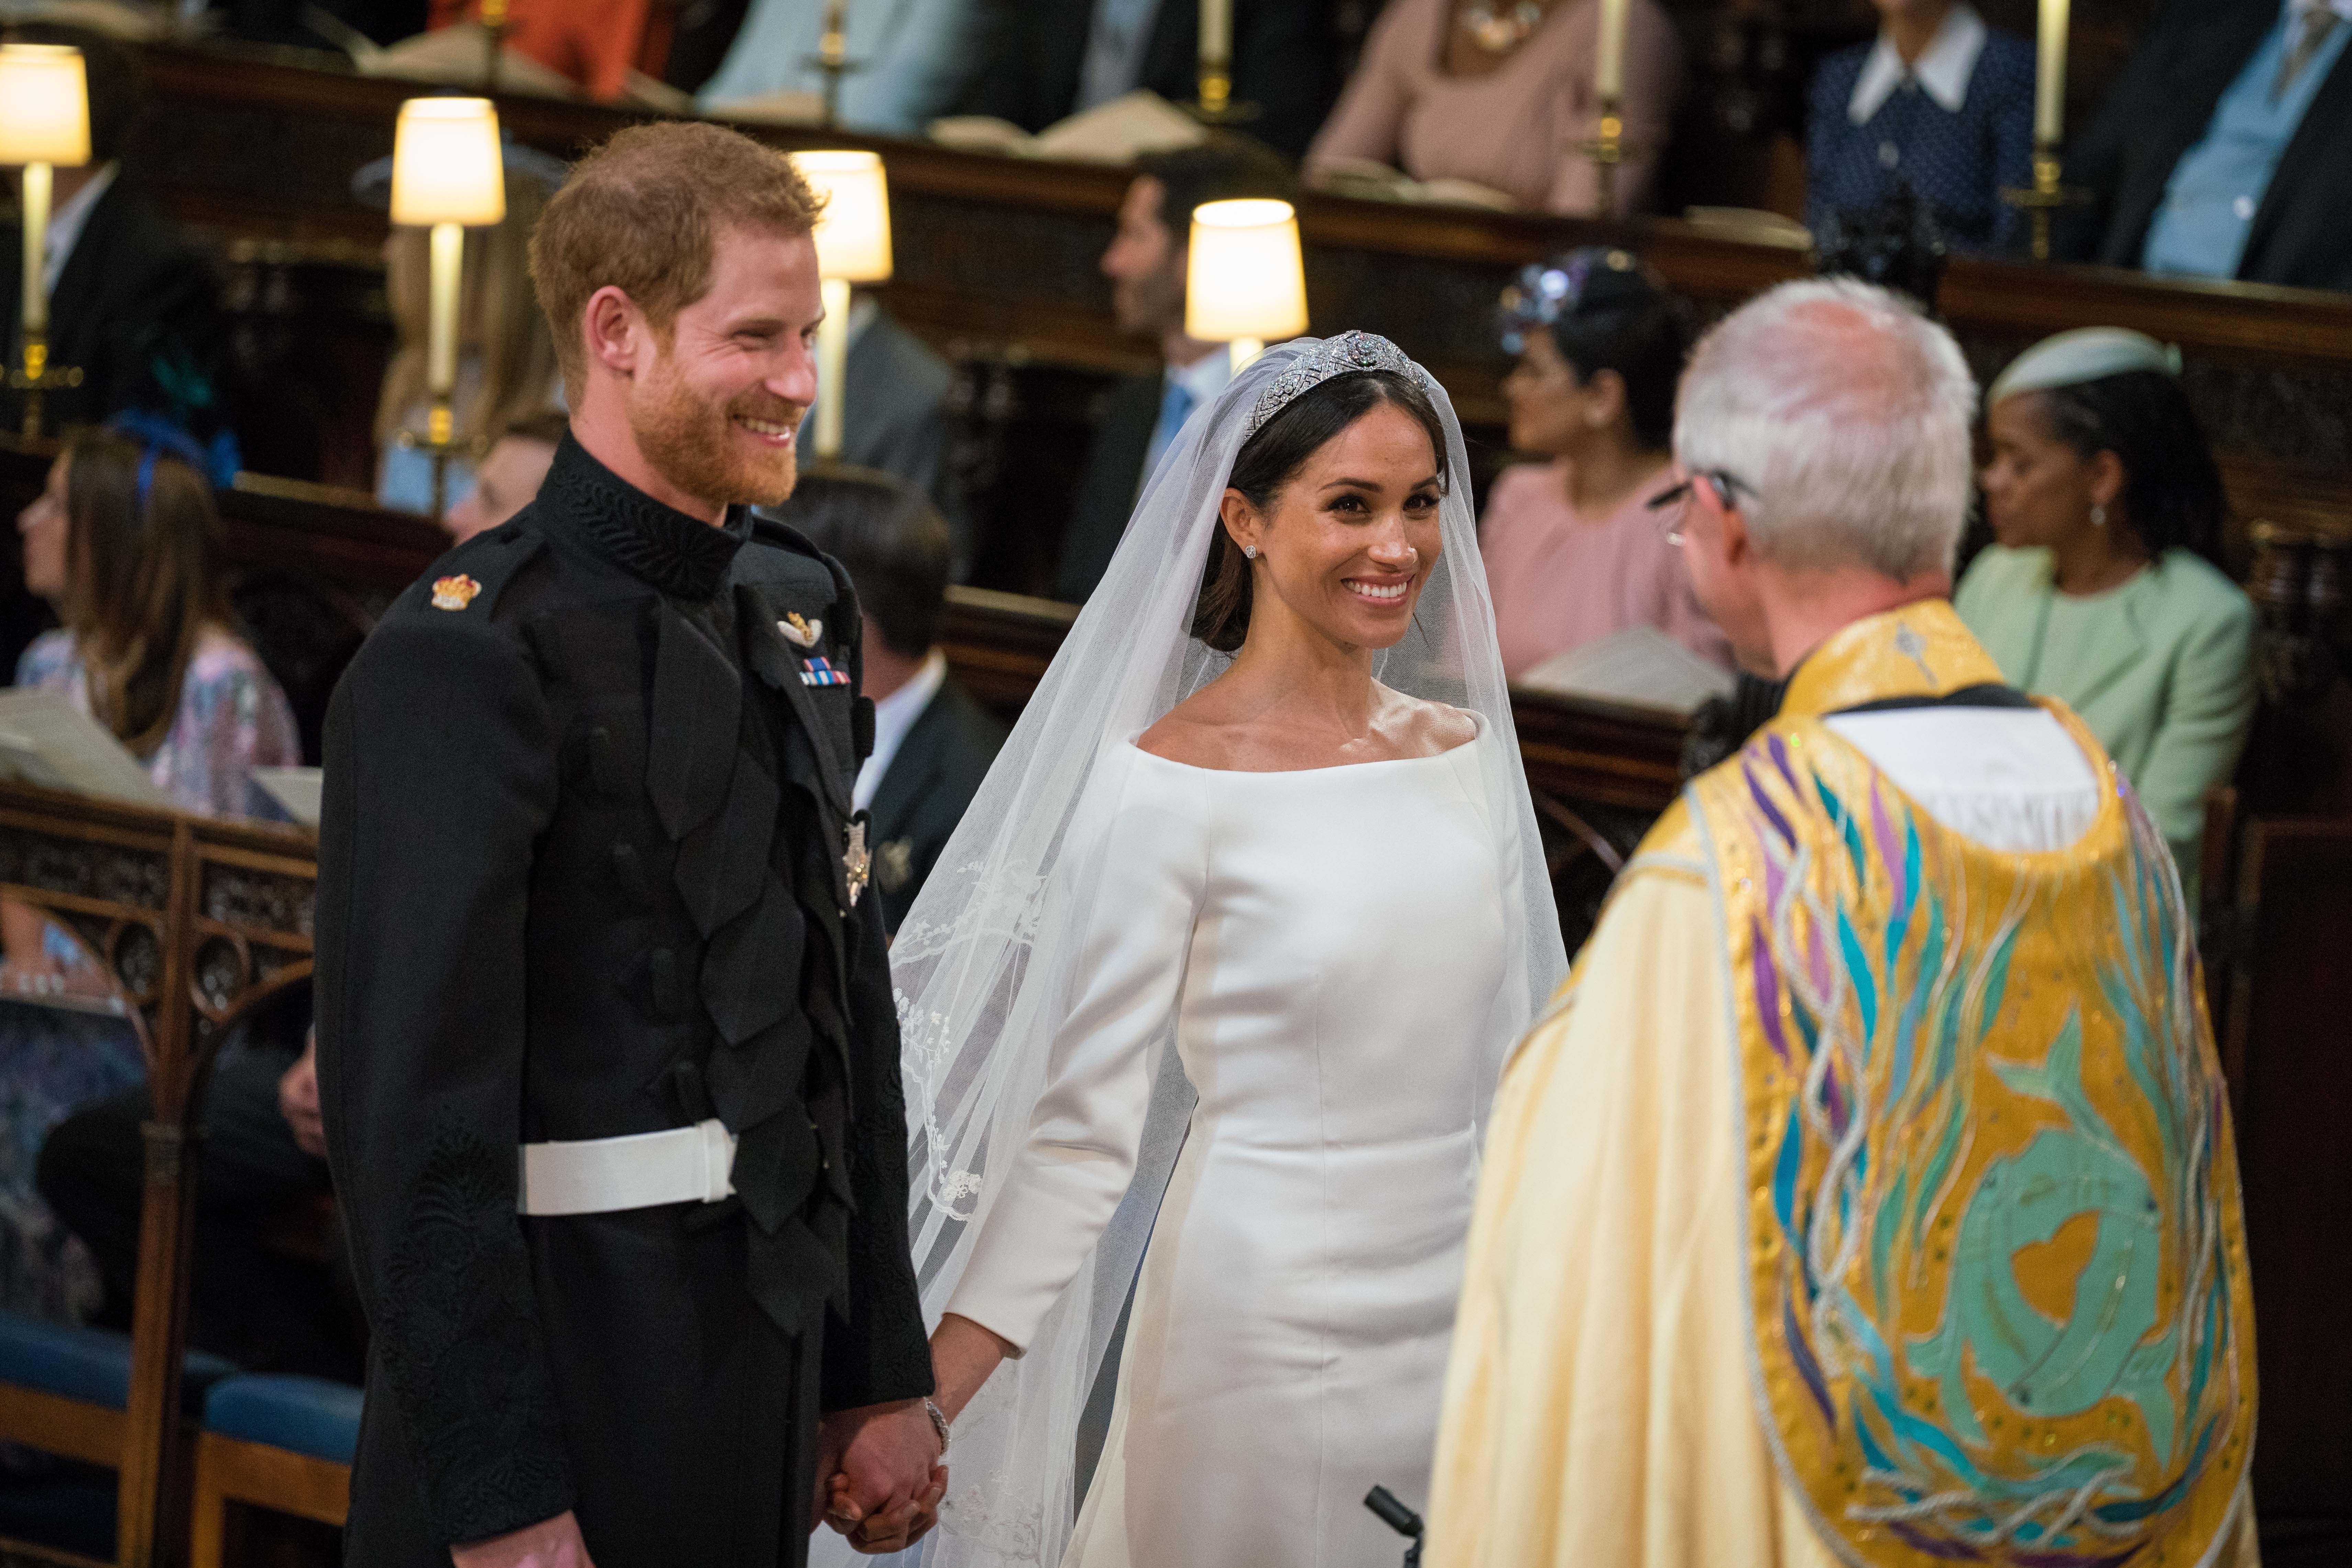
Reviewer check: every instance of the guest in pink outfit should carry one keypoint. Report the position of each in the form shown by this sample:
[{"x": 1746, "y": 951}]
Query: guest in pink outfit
[
  {"x": 1500, "y": 93},
  {"x": 1574, "y": 554}
]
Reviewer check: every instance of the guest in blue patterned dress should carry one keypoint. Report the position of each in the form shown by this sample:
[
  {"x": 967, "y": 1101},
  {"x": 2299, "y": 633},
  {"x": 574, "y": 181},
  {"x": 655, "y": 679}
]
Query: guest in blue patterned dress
[
  {"x": 118, "y": 542},
  {"x": 1940, "y": 102}
]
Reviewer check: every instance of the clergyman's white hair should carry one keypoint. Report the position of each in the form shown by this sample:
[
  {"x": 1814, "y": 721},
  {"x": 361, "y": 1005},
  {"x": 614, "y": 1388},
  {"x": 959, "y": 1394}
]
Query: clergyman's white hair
[{"x": 1843, "y": 413}]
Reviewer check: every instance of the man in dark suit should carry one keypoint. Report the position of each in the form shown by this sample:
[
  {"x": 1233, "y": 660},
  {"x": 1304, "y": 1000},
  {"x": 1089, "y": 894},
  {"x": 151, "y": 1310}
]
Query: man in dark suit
[
  {"x": 932, "y": 744},
  {"x": 132, "y": 305},
  {"x": 894, "y": 413},
  {"x": 1048, "y": 59},
  {"x": 2220, "y": 150},
  {"x": 608, "y": 1055},
  {"x": 1147, "y": 267}
]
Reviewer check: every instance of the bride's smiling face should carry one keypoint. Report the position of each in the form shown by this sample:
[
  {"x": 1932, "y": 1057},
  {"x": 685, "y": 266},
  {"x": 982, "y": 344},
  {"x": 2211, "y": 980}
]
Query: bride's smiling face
[{"x": 1347, "y": 543}]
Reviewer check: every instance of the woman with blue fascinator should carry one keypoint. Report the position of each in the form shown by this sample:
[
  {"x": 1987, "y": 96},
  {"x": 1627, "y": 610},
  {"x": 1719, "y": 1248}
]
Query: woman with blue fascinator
[
  {"x": 2105, "y": 588},
  {"x": 119, "y": 543},
  {"x": 1224, "y": 957}
]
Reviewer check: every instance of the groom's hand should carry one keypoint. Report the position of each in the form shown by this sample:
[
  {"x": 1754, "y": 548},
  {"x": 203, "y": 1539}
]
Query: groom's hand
[
  {"x": 892, "y": 1530},
  {"x": 887, "y": 1481}
]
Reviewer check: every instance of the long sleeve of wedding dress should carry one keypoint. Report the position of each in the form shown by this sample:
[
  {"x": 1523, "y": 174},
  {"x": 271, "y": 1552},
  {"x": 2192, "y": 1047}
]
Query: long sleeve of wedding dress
[{"x": 1144, "y": 879}]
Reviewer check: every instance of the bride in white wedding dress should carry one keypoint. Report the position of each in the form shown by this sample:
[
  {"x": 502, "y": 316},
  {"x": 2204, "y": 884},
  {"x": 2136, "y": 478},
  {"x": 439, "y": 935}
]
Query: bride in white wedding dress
[{"x": 1266, "y": 816}]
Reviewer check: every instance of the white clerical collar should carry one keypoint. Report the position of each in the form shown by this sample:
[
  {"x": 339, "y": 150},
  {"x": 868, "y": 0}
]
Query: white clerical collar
[
  {"x": 1944, "y": 68},
  {"x": 1205, "y": 378},
  {"x": 66, "y": 222}
]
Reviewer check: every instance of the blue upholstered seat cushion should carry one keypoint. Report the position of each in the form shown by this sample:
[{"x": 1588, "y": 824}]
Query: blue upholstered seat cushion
[
  {"x": 93, "y": 1365},
  {"x": 306, "y": 1414}
]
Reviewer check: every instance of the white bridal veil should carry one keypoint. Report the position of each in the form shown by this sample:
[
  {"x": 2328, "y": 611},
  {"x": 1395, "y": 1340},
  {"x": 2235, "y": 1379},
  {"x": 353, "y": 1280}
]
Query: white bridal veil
[{"x": 983, "y": 963}]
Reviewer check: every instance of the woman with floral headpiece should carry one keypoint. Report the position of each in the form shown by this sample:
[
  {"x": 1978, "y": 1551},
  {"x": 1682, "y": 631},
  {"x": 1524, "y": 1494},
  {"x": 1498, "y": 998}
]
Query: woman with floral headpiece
[
  {"x": 1573, "y": 548},
  {"x": 1224, "y": 955}
]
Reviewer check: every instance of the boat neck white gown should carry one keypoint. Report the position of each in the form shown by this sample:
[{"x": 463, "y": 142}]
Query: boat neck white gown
[{"x": 1331, "y": 943}]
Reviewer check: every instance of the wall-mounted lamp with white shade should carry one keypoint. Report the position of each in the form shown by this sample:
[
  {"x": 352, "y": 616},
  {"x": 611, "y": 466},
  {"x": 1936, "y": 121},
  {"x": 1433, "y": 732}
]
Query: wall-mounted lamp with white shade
[
  {"x": 853, "y": 246},
  {"x": 1244, "y": 284},
  {"x": 44, "y": 122},
  {"x": 449, "y": 174}
]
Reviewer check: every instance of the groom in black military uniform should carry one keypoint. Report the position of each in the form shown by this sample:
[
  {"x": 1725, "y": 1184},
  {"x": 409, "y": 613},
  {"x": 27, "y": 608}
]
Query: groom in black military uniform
[{"x": 607, "y": 1050}]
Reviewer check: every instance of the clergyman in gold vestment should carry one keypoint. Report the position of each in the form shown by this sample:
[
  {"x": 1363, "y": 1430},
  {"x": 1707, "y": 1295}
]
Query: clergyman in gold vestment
[{"x": 1868, "y": 1196}]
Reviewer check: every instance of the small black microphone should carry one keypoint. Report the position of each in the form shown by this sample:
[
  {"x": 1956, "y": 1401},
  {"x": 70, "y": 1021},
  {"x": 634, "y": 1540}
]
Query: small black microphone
[{"x": 1398, "y": 1517}]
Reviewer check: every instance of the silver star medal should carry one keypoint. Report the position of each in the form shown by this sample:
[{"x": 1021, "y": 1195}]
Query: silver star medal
[{"x": 855, "y": 861}]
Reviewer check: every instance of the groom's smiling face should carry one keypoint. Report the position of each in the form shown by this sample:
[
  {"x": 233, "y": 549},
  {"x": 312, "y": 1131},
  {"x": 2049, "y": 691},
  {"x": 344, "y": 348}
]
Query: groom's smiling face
[{"x": 1348, "y": 544}]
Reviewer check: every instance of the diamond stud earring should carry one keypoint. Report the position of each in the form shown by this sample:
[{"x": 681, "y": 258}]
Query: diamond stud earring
[
  {"x": 2099, "y": 517},
  {"x": 1250, "y": 552}
]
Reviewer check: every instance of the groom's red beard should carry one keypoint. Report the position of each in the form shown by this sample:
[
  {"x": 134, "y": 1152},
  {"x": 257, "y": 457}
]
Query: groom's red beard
[{"x": 691, "y": 441}]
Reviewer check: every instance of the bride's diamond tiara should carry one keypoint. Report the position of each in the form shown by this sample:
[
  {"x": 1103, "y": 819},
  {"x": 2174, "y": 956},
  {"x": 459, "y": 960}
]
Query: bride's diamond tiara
[{"x": 1350, "y": 354}]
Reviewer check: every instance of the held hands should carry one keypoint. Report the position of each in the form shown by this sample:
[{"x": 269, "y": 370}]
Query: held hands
[
  {"x": 884, "y": 1479},
  {"x": 297, "y": 1101},
  {"x": 550, "y": 1544},
  {"x": 885, "y": 1484}
]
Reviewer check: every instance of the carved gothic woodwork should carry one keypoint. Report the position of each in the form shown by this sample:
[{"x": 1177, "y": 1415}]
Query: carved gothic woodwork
[
  {"x": 197, "y": 923},
  {"x": 2297, "y": 584}
]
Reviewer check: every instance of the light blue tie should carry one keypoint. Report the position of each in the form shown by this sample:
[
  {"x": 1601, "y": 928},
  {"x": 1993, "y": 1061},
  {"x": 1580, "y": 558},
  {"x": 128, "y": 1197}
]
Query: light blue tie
[{"x": 1175, "y": 408}]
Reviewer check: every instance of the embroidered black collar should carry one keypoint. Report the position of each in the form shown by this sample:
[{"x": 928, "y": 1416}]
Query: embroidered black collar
[{"x": 678, "y": 554}]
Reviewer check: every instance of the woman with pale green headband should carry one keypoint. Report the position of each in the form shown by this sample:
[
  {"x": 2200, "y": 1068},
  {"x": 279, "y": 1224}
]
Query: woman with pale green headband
[{"x": 2104, "y": 589}]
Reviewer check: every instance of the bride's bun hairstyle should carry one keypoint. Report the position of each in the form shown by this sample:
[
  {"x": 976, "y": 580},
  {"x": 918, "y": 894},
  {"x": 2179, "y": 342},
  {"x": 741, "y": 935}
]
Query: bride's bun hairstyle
[{"x": 1271, "y": 458}]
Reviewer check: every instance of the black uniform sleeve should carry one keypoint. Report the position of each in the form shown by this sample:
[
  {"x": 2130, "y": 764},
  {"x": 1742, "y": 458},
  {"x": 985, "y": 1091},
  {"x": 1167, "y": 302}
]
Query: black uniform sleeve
[
  {"x": 881, "y": 1352},
  {"x": 441, "y": 775}
]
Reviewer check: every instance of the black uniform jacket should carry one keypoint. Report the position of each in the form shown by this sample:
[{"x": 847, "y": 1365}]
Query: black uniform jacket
[
  {"x": 2161, "y": 106},
  {"x": 581, "y": 875},
  {"x": 938, "y": 769}
]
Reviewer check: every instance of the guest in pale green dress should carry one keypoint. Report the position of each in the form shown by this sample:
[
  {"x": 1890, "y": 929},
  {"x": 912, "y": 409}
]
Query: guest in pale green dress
[{"x": 2103, "y": 589}]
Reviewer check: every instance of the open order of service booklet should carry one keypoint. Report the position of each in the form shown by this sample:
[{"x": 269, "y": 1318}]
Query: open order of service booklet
[
  {"x": 50, "y": 744},
  {"x": 1640, "y": 667}
]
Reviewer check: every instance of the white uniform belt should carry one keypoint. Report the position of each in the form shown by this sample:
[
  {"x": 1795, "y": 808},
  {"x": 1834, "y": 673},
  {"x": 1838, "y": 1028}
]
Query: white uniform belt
[{"x": 599, "y": 1175}]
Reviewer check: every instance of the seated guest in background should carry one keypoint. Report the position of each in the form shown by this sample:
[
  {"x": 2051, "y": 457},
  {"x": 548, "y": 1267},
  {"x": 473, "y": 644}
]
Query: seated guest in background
[
  {"x": 251, "y": 1298},
  {"x": 596, "y": 43},
  {"x": 2103, "y": 589},
  {"x": 1147, "y": 267},
  {"x": 2219, "y": 151},
  {"x": 933, "y": 744},
  {"x": 894, "y": 413},
  {"x": 506, "y": 361},
  {"x": 1573, "y": 551},
  {"x": 914, "y": 61},
  {"x": 1048, "y": 59},
  {"x": 1940, "y": 103},
  {"x": 1502, "y": 95},
  {"x": 119, "y": 540},
  {"x": 509, "y": 476},
  {"x": 132, "y": 306}
]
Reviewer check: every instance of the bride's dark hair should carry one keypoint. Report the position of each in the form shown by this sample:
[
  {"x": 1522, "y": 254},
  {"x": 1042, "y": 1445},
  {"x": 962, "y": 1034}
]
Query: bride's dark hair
[{"x": 1271, "y": 458}]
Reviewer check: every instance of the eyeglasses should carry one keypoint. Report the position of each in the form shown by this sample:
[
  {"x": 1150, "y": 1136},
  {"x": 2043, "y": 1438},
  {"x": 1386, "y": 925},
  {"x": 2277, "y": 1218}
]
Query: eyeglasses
[{"x": 1679, "y": 497}]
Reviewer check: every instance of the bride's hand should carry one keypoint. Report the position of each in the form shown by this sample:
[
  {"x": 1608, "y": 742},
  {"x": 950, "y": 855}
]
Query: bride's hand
[{"x": 963, "y": 1355}]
